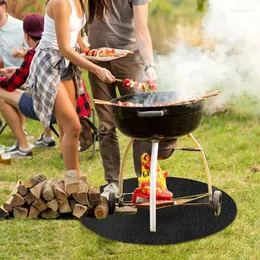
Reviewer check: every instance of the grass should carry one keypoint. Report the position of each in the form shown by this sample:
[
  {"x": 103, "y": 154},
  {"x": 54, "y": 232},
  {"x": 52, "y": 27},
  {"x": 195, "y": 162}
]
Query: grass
[{"x": 231, "y": 143}]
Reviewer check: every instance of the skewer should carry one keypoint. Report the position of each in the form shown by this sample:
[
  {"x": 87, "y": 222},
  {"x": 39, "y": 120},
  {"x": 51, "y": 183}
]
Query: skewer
[
  {"x": 119, "y": 80},
  {"x": 102, "y": 102},
  {"x": 211, "y": 94}
]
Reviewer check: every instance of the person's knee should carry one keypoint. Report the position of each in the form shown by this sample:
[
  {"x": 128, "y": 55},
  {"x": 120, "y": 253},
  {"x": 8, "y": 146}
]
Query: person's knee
[{"x": 74, "y": 128}]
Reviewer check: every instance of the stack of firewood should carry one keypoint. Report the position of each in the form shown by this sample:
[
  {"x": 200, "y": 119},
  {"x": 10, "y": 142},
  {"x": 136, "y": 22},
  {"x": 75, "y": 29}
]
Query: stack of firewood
[{"x": 51, "y": 199}]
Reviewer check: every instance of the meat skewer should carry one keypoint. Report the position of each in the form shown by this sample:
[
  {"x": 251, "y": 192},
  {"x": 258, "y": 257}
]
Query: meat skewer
[{"x": 144, "y": 86}]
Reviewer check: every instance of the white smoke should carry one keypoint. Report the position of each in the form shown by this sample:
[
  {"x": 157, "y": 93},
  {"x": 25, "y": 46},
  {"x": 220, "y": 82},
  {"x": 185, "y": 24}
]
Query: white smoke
[{"x": 233, "y": 66}]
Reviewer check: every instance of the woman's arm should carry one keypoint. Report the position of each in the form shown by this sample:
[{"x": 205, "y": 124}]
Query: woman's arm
[
  {"x": 60, "y": 11},
  {"x": 143, "y": 39}
]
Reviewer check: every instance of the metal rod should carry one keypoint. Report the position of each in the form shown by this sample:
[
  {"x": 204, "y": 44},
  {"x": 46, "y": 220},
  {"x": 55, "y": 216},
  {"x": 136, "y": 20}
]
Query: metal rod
[
  {"x": 155, "y": 145},
  {"x": 189, "y": 149},
  {"x": 122, "y": 168},
  {"x": 204, "y": 159}
]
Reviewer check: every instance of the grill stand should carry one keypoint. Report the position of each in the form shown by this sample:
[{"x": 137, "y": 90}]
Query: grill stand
[{"x": 176, "y": 201}]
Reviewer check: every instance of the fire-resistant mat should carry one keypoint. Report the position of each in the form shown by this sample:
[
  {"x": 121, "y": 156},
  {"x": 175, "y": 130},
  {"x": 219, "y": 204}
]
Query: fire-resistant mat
[{"x": 173, "y": 225}]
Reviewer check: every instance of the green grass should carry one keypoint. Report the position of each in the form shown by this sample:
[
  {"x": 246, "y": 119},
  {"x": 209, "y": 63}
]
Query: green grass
[{"x": 231, "y": 142}]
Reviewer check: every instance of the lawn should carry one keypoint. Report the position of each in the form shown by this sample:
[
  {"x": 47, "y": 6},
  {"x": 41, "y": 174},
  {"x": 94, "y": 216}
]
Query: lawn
[{"x": 231, "y": 142}]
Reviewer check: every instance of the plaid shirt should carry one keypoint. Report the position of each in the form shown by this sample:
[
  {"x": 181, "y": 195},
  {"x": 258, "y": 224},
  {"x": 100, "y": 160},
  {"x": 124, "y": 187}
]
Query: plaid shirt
[
  {"x": 44, "y": 78},
  {"x": 20, "y": 75}
]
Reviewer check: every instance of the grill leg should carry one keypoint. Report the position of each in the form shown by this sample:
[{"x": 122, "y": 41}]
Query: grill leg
[{"x": 155, "y": 145}]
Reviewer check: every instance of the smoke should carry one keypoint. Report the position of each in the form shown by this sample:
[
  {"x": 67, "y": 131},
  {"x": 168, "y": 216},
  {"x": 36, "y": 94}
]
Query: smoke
[{"x": 232, "y": 66}]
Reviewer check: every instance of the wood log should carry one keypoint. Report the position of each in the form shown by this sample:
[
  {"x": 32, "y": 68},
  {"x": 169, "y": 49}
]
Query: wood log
[
  {"x": 29, "y": 198},
  {"x": 64, "y": 207},
  {"x": 39, "y": 204},
  {"x": 72, "y": 203},
  {"x": 37, "y": 189},
  {"x": 47, "y": 191},
  {"x": 53, "y": 204},
  {"x": 7, "y": 205},
  {"x": 79, "y": 210},
  {"x": 71, "y": 181},
  {"x": 81, "y": 196},
  {"x": 94, "y": 197},
  {"x": 101, "y": 210},
  {"x": 19, "y": 188},
  {"x": 82, "y": 178},
  {"x": 34, "y": 181},
  {"x": 17, "y": 200},
  {"x": 49, "y": 214},
  {"x": 126, "y": 210},
  {"x": 33, "y": 213},
  {"x": 60, "y": 193},
  {"x": 20, "y": 212},
  {"x": 3, "y": 213}
]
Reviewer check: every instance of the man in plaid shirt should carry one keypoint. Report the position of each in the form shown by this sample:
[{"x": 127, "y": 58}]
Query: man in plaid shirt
[{"x": 13, "y": 79}]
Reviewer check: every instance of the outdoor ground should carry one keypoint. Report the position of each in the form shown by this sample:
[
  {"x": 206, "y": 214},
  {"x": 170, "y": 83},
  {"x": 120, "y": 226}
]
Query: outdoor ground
[{"x": 231, "y": 142}]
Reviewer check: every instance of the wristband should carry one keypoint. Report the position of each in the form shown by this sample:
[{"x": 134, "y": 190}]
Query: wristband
[{"x": 148, "y": 67}]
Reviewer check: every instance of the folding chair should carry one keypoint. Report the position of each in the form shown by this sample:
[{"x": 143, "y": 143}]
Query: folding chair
[{"x": 85, "y": 111}]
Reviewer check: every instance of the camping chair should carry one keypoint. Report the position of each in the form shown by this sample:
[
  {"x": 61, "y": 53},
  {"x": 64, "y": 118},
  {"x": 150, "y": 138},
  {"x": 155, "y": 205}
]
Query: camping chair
[{"x": 88, "y": 135}]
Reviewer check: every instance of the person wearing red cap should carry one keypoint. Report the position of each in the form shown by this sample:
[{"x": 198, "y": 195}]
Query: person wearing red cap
[{"x": 33, "y": 26}]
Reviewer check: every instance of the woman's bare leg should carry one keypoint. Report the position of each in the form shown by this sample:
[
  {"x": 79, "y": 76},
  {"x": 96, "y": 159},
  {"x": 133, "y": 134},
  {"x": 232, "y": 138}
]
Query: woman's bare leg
[
  {"x": 8, "y": 107},
  {"x": 69, "y": 125}
]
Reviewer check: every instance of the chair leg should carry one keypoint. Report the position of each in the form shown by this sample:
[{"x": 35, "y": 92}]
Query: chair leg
[
  {"x": 2, "y": 127},
  {"x": 54, "y": 130}
]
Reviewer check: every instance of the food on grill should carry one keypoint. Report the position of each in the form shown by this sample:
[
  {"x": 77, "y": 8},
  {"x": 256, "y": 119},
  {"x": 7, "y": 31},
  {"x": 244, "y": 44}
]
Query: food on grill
[
  {"x": 100, "y": 52},
  {"x": 140, "y": 85}
]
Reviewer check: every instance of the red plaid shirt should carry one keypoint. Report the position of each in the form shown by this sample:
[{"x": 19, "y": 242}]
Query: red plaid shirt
[{"x": 20, "y": 75}]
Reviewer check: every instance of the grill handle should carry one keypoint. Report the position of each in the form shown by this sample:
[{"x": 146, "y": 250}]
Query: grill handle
[{"x": 151, "y": 113}]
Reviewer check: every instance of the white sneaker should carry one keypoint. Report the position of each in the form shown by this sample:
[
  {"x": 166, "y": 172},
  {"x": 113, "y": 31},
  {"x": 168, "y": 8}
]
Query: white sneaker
[{"x": 110, "y": 188}]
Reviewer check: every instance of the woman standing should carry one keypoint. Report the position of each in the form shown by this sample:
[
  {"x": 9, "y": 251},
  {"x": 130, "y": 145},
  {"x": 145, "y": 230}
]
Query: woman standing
[
  {"x": 120, "y": 24},
  {"x": 55, "y": 76}
]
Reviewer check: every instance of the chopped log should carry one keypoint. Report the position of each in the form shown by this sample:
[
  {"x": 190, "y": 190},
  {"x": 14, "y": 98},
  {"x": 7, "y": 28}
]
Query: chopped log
[
  {"x": 64, "y": 207},
  {"x": 19, "y": 188},
  {"x": 7, "y": 205},
  {"x": 49, "y": 214},
  {"x": 39, "y": 204},
  {"x": 37, "y": 189},
  {"x": 17, "y": 200},
  {"x": 82, "y": 178},
  {"x": 29, "y": 198},
  {"x": 126, "y": 210},
  {"x": 61, "y": 182},
  {"x": 60, "y": 193},
  {"x": 101, "y": 210},
  {"x": 53, "y": 204},
  {"x": 34, "y": 181},
  {"x": 20, "y": 212},
  {"x": 72, "y": 203},
  {"x": 79, "y": 210},
  {"x": 33, "y": 213},
  {"x": 47, "y": 191},
  {"x": 94, "y": 197},
  {"x": 3, "y": 213},
  {"x": 81, "y": 196},
  {"x": 71, "y": 181}
]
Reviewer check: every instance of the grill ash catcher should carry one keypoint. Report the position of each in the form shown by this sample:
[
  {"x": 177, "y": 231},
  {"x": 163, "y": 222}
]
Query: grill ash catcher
[{"x": 160, "y": 121}]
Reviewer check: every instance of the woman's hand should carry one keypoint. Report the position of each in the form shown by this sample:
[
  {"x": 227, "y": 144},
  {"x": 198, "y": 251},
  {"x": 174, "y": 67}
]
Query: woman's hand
[{"x": 105, "y": 75}]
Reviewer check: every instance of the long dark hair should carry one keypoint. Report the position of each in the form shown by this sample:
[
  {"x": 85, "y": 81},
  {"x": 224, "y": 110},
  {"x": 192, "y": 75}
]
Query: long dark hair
[{"x": 96, "y": 9}]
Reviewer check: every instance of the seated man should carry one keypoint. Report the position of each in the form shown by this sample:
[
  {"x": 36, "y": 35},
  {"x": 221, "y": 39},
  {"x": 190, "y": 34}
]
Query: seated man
[{"x": 10, "y": 95}]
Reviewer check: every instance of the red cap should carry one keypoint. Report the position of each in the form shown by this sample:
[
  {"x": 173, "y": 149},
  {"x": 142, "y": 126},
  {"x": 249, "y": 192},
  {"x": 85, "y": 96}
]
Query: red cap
[{"x": 33, "y": 25}]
